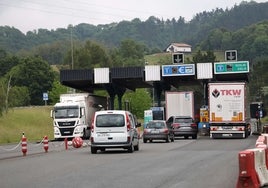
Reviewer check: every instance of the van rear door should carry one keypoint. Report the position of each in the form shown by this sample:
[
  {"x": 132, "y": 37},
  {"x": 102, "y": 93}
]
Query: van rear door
[{"x": 110, "y": 128}]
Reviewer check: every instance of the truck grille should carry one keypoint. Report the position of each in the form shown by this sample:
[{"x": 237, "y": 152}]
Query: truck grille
[
  {"x": 66, "y": 131},
  {"x": 66, "y": 124}
]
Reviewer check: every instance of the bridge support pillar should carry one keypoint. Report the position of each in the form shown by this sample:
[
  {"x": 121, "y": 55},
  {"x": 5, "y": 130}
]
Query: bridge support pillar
[{"x": 114, "y": 90}]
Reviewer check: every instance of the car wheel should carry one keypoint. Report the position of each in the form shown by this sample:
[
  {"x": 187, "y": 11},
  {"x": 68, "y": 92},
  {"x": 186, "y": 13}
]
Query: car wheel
[
  {"x": 130, "y": 148},
  {"x": 151, "y": 140},
  {"x": 194, "y": 136},
  {"x": 144, "y": 140},
  {"x": 167, "y": 139},
  {"x": 137, "y": 147},
  {"x": 93, "y": 150}
]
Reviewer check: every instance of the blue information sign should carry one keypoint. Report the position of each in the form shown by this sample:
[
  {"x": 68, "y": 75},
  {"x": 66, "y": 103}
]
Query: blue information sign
[
  {"x": 178, "y": 70},
  {"x": 45, "y": 96}
]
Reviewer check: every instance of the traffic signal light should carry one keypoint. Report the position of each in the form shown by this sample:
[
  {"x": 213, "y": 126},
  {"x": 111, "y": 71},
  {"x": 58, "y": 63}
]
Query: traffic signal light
[
  {"x": 231, "y": 55},
  {"x": 257, "y": 110},
  {"x": 178, "y": 58}
]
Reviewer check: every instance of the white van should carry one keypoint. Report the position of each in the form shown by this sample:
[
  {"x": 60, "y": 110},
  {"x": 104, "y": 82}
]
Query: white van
[{"x": 114, "y": 129}]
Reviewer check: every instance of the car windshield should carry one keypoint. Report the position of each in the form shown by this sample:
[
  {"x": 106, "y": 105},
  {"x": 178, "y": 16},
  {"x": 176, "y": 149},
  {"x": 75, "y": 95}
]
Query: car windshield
[
  {"x": 183, "y": 120},
  {"x": 66, "y": 112},
  {"x": 155, "y": 125},
  {"x": 110, "y": 120}
]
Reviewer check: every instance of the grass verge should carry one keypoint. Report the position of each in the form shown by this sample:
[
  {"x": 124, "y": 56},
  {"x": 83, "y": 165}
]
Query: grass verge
[{"x": 35, "y": 122}]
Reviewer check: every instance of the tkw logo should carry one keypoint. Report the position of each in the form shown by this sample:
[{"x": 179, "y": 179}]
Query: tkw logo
[
  {"x": 215, "y": 93},
  {"x": 227, "y": 92}
]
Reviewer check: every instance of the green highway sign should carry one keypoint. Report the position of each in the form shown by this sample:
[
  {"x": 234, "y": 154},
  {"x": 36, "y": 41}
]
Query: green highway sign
[{"x": 231, "y": 67}]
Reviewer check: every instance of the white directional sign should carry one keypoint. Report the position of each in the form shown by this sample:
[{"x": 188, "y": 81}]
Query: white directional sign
[
  {"x": 177, "y": 58},
  {"x": 178, "y": 70},
  {"x": 231, "y": 55}
]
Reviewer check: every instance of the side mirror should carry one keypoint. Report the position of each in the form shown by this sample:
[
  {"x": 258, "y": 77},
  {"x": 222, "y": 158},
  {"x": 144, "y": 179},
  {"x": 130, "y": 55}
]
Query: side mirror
[
  {"x": 82, "y": 112},
  {"x": 51, "y": 113}
]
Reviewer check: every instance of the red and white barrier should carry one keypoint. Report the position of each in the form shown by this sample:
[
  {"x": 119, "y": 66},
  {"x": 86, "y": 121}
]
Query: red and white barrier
[
  {"x": 253, "y": 165},
  {"x": 77, "y": 142},
  {"x": 260, "y": 165},
  {"x": 45, "y": 142},
  {"x": 24, "y": 144},
  {"x": 262, "y": 141},
  {"x": 247, "y": 175}
]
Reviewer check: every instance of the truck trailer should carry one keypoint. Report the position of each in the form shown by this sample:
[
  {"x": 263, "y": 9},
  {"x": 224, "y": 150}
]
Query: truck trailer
[
  {"x": 179, "y": 103},
  {"x": 72, "y": 115},
  {"x": 227, "y": 110}
]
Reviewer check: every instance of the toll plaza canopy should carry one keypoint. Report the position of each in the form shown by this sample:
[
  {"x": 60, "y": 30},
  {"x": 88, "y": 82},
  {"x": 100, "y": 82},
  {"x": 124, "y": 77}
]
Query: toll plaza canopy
[{"x": 160, "y": 77}]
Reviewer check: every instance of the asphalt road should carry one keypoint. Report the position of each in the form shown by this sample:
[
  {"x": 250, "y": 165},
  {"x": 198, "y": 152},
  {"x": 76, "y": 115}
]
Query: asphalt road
[{"x": 201, "y": 163}]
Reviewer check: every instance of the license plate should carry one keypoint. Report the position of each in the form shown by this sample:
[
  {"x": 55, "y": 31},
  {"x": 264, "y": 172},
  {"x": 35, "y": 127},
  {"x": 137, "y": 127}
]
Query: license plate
[
  {"x": 103, "y": 134},
  {"x": 155, "y": 132},
  {"x": 227, "y": 127},
  {"x": 227, "y": 135}
]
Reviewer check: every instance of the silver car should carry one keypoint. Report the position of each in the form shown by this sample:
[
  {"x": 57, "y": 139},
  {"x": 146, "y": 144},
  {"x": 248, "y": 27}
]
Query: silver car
[{"x": 157, "y": 130}]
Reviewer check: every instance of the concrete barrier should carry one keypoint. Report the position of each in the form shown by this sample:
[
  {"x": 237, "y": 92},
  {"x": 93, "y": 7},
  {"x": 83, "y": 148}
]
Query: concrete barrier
[
  {"x": 253, "y": 165},
  {"x": 247, "y": 175},
  {"x": 261, "y": 141},
  {"x": 260, "y": 165}
]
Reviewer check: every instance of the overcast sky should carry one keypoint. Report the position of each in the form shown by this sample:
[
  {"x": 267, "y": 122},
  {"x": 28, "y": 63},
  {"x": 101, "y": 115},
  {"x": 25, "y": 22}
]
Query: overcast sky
[{"x": 28, "y": 15}]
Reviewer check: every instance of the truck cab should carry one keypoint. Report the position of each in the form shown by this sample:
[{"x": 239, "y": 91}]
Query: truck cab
[
  {"x": 69, "y": 120},
  {"x": 73, "y": 114}
]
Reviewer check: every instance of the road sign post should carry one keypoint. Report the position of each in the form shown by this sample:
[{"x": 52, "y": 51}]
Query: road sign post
[{"x": 45, "y": 97}]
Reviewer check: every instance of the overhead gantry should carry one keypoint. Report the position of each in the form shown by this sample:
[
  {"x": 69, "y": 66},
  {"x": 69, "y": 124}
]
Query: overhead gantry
[{"x": 116, "y": 81}]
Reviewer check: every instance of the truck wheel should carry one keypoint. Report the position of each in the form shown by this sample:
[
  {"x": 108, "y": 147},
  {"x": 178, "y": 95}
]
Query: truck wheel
[
  {"x": 93, "y": 150},
  {"x": 84, "y": 134}
]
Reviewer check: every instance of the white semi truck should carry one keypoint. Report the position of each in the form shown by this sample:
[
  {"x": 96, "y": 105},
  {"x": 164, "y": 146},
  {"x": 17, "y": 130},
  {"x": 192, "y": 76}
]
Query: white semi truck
[
  {"x": 72, "y": 115},
  {"x": 179, "y": 103},
  {"x": 227, "y": 110}
]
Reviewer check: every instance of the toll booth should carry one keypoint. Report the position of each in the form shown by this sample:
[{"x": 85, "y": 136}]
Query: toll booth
[
  {"x": 203, "y": 125},
  {"x": 158, "y": 113}
]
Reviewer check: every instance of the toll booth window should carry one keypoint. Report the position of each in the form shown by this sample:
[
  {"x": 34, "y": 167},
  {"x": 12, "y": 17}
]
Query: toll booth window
[{"x": 158, "y": 115}]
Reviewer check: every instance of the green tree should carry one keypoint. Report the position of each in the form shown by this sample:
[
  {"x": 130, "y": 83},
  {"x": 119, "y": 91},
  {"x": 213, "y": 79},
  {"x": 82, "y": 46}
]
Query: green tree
[
  {"x": 19, "y": 96},
  {"x": 2, "y": 96},
  {"x": 139, "y": 101},
  {"x": 35, "y": 74},
  {"x": 7, "y": 62},
  {"x": 199, "y": 57},
  {"x": 89, "y": 56},
  {"x": 57, "y": 89},
  {"x": 129, "y": 53}
]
